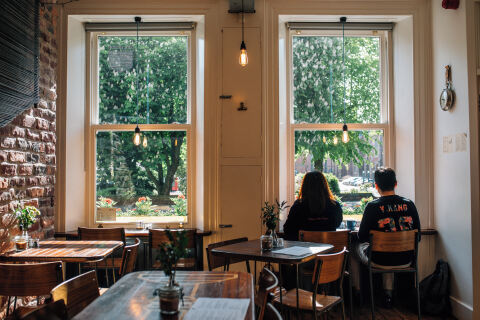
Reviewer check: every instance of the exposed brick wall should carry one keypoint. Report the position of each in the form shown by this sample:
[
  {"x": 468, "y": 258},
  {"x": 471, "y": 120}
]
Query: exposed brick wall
[{"x": 27, "y": 149}]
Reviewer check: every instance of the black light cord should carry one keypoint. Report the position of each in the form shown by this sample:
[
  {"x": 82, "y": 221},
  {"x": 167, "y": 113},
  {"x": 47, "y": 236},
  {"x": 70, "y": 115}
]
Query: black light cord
[
  {"x": 343, "y": 20},
  {"x": 243, "y": 21},
  {"x": 137, "y": 20}
]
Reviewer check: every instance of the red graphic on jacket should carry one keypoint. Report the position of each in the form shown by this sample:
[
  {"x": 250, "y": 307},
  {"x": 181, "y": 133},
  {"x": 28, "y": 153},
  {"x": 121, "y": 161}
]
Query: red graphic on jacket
[
  {"x": 405, "y": 223},
  {"x": 387, "y": 224}
]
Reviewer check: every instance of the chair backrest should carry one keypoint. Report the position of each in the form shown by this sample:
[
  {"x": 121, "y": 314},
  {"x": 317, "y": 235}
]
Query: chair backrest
[
  {"x": 129, "y": 258},
  {"x": 330, "y": 266},
  {"x": 78, "y": 292},
  {"x": 158, "y": 236},
  {"x": 108, "y": 234},
  {"x": 339, "y": 239},
  {"x": 271, "y": 313},
  {"x": 267, "y": 282},
  {"x": 50, "y": 311},
  {"x": 393, "y": 241},
  {"x": 36, "y": 279},
  {"x": 217, "y": 261}
]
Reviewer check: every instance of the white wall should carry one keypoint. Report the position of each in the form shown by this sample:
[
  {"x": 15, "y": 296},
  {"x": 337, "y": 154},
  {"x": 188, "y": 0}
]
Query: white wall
[
  {"x": 75, "y": 127},
  {"x": 452, "y": 170}
]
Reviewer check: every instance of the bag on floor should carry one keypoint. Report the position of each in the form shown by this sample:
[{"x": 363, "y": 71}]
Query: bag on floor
[{"x": 435, "y": 291}]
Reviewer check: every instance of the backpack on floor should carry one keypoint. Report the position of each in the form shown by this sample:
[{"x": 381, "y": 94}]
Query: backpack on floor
[{"x": 435, "y": 291}]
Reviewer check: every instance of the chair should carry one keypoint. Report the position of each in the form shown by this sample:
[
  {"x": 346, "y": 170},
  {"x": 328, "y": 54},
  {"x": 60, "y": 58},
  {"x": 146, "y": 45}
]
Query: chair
[
  {"x": 271, "y": 313},
  {"x": 329, "y": 269},
  {"x": 400, "y": 241},
  {"x": 108, "y": 234},
  {"x": 217, "y": 261},
  {"x": 21, "y": 280},
  {"x": 159, "y": 236},
  {"x": 129, "y": 258},
  {"x": 267, "y": 282},
  {"x": 78, "y": 292},
  {"x": 50, "y": 311},
  {"x": 339, "y": 240}
]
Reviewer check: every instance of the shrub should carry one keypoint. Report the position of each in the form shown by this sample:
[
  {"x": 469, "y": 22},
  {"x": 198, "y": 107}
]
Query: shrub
[{"x": 333, "y": 183}]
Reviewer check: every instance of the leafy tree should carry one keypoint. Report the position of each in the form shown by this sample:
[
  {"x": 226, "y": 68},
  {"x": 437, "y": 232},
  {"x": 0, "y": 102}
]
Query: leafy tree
[{"x": 318, "y": 95}]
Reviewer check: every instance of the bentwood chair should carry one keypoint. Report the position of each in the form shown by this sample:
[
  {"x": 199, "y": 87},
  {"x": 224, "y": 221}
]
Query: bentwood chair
[
  {"x": 129, "y": 258},
  {"x": 50, "y": 311},
  {"x": 159, "y": 236},
  {"x": 267, "y": 283},
  {"x": 108, "y": 234},
  {"x": 329, "y": 271},
  {"x": 339, "y": 240},
  {"x": 217, "y": 262},
  {"x": 271, "y": 313},
  {"x": 389, "y": 242},
  {"x": 23, "y": 280},
  {"x": 78, "y": 292}
]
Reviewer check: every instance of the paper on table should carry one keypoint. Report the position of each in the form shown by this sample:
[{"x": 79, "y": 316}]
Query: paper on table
[
  {"x": 295, "y": 251},
  {"x": 218, "y": 309}
]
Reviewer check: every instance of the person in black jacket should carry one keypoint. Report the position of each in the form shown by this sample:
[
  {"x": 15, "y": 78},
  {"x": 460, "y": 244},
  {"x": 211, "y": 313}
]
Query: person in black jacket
[{"x": 316, "y": 208}]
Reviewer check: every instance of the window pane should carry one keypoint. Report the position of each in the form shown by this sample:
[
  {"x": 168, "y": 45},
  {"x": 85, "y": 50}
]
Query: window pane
[
  {"x": 163, "y": 74},
  {"x": 349, "y": 166},
  {"x": 142, "y": 183},
  {"x": 318, "y": 81}
]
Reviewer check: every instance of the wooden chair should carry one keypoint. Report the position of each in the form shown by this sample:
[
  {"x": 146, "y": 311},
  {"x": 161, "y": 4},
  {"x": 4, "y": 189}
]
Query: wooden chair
[
  {"x": 21, "y": 280},
  {"x": 339, "y": 240},
  {"x": 50, "y": 311},
  {"x": 78, "y": 292},
  {"x": 390, "y": 242},
  {"x": 267, "y": 283},
  {"x": 108, "y": 234},
  {"x": 217, "y": 262},
  {"x": 158, "y": 236},
  {"x": 329, "y": 269},
  {"x": 129, "y": 258},
  {"x": 271, "y": 313}
]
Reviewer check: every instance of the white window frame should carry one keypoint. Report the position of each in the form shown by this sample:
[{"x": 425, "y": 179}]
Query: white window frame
[
  {"x": 93, "y": 126},
  {"x": 386, "y": 101}
]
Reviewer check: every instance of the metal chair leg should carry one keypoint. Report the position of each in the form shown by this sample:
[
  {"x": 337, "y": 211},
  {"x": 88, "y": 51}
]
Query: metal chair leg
[
  {"x": 8, "y": 305},
  {"x": 350, "y": 292},
  {"x": 418, "y": 295},
  {"x": 371, "y": 293}
]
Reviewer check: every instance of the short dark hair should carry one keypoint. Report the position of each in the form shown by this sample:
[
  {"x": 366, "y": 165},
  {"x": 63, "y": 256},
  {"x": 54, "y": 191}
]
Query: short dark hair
[{"x": 385, "y": 178}]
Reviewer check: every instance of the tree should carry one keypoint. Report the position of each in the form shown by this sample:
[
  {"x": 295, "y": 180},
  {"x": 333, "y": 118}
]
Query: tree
[{"x": 318, "y": 95}]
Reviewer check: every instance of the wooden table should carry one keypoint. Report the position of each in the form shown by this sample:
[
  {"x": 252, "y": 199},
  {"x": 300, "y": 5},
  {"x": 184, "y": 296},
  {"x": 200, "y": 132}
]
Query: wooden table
[
  {"x": 132, "y": 296},
  {"x": 65, "y": 251},
  {"x": 250, "y": 250}
]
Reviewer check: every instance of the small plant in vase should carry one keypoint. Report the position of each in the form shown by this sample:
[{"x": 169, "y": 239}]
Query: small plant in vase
[
  {"x": 26, "y": 217},
  {"x": 170, "y": 253},
  {"x": 270, "y": 217}
]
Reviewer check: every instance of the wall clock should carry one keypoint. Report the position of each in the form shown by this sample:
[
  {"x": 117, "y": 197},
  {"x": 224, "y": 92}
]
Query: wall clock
[{"x": 447, "y": 97}]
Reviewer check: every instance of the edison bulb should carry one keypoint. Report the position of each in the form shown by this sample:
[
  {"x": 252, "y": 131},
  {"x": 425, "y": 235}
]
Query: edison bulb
[
  {"x": 335, "y": 140},
  {"x": 243, "y": 58},
  {"x": 324, "y": 139},
  {"x": 136, "y": 136},
  {"x": 345, "y": 137},
  {"x": 145, "y": 143}
]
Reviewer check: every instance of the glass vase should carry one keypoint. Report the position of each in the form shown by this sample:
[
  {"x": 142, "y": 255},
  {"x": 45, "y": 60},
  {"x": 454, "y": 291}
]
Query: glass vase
[
  {"x": 21, "y": 242},
  {"x": 266, "y": 242},
  {"x": 169, "y": 299}
]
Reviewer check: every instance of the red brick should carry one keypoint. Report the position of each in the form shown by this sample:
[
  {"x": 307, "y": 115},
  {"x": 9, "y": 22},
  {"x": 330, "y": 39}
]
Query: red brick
[
  {"x": 3, "y": 156},
  {"x": 17, "y": 182},
  {"x": 52, "y": 106},
  {"x": 42, "y": 180},
  {"x": 37, "y": 147},
  {"x": 28, "y": 121},
  {"x": 42, "y": 104},
  {"x": 51, "y": 170},
  {"x": 18, "y": 132},
  {"x": 31, "y": 181},
  {"x": 4, "y": 209},
  {"x": 49, "y": 148},
  {"x": 33, "y": 135},
  {"x": 25, "y": 169},
  {"x": 8, "y": 143},
  {"x": 50, "y": 159},
  {"x": 4, "y": 183},
  {"x": 39, "y": 169},
  {"x": 22, "y": 144},
  {"x": 20, "y": 194},
  {"x": 36, "y": 192},
  {"x": 47, "y": 221},
  {"x": 50, "y": 212},
  {"x": 30, "y": 202},
  {"x": 43, "y": 124},
  {"x": 53, "y": 127},
  {"x": 5, "y": 196},
  {"x": 47, "y": 136},
  {"x": 49, "y": 191},
  {"x": 8, "y": 169},
  {"x": 16, "y": 156}
]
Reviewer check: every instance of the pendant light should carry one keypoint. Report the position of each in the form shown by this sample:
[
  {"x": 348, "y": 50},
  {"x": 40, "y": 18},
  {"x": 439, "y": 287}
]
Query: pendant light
[
  {"x": 243, "y": 58},
  {"x": 136, "y": 136},
  {"x": 345, "y": 137},
  {"x": 145, "y": 143}
]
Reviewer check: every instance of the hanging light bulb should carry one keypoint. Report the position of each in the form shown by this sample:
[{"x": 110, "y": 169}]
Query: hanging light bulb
[
  {"x": 145, "y": 143},
  {"x": 324, "y": 139},
  {"x": 345, "y": 137},
  {"x": 335, "y": 140},
  {"x": 136, "y": 136},
  {"x": 243, "y": 58}
]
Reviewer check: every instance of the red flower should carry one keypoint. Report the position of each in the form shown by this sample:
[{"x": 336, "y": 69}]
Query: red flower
[
  {"x": 142, "y": 199},
  {"x": 109, "y": 201},
  {"x": 181, "y": 196}
]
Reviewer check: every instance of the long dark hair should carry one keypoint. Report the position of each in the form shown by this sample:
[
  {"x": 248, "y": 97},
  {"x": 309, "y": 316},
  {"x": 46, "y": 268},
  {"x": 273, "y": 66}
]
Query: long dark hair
[{"x": 315, "y": 192}]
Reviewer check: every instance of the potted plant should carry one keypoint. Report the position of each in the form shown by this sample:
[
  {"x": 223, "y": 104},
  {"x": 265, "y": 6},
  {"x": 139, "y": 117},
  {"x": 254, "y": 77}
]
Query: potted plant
[
  {"x": 170, "y": 253},
  {"x": 270, "y": 217},
  {"x": 106, "y": 210},
  {"x": 26, "y": 217}
]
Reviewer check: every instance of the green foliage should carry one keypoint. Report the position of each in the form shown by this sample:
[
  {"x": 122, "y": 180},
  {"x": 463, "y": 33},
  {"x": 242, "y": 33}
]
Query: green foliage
[
  {"x": 26, "y": 216},
  {"x": 333, "y": 183},
  {"x": 359, "y": 208},
  {"x": 180, "y": 205},
  {"x": 105, "y": 202},
  {"x": 271, "y": 213},
  {"x": 144, "y": 206},
  {"x": 172, "y": 251}
]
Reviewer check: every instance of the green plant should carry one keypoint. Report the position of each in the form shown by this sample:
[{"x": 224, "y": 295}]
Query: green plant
[
  {"x": 26, "y": 216},
  {"x": 271, "y": 213},
  {"x": 332, "y": 183},
  {"x": 171, "y": 251},
  {"x": 105, "y": 202},
  {"x": 180, "y": 205},
  {"x": 144, "y": 206}
]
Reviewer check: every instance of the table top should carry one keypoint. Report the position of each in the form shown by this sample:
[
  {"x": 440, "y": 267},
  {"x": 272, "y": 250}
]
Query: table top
[
  {"x": 66, "y": 251},
  {"x": 251, "y": 250},
  {"x": 130, "y": 233},
  {"x": 132, "y": 296}
]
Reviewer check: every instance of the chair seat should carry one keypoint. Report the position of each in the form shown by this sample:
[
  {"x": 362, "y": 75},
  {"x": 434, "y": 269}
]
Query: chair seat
[
  {"x": 381, "y": 270},
  {"x": 184, "y": 263},
  {"x": 324, "y": 302},
  {"x": 107, "y": 263}
]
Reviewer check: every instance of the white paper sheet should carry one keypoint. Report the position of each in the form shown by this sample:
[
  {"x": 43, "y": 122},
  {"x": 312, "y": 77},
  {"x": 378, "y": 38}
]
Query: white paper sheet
[
  {"x": 295, "y": 251},
  {"x": 218, "y": 309}
]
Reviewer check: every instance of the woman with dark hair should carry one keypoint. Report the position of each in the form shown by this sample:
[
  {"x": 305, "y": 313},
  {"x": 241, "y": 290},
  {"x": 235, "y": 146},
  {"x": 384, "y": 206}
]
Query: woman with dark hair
[{"x": 316, "y": 208}]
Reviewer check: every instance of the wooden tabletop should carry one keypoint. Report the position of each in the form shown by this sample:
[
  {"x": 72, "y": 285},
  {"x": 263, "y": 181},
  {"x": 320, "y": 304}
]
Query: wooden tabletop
[
  {"x": 132, "y": 296},
  {"x": 131, "y": 233},
  {"x": 65, "y": 251},
  {"x": 251, "y": 250}
]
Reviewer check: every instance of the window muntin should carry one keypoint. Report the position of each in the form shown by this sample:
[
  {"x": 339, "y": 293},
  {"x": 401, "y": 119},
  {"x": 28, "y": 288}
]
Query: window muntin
[{"x": 156, "y": 179}]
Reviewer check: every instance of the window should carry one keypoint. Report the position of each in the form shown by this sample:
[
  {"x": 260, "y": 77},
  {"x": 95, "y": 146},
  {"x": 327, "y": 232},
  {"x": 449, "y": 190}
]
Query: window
[
  {"x": 317, "y": 113},
  {"x": 149, "y": 182}
]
